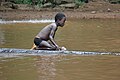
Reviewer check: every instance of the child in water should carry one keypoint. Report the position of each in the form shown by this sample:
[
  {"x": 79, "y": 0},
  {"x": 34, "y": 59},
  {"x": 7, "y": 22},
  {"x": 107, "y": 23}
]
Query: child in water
[{"x": 45, "y": 38}]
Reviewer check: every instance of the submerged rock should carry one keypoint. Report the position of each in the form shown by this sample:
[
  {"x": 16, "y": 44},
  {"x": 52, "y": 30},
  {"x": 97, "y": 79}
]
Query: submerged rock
[{"x": 39, "y": 52}]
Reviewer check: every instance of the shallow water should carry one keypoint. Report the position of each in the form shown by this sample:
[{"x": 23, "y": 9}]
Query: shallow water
[
  {"x": 83, "y": 35},
  {"x": 80, "y": 34},
  {"x": 60, "y": 67}
]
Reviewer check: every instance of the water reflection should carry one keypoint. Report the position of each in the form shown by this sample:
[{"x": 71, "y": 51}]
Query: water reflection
[
  {"x": 60, "y": 67},
  {"x": 46, "y": 66},
  {"x": 85, "y": 35},
  {"x": 2, "y": 36},
  {"x": 79, "y": 34}
]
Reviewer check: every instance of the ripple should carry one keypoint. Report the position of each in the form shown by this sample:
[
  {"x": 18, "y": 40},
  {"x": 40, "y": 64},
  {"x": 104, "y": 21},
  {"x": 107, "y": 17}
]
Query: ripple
[{"x": 26, "y": 21}]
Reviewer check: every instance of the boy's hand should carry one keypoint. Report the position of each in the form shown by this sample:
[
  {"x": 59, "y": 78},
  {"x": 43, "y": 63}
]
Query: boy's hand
[
  {"x": 62, "y": 48},
  {"x": 58, "y": 48}
]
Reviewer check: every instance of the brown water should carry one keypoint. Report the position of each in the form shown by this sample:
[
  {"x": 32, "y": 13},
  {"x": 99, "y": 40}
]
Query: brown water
[
  {"x": 60, "y": 67},
  {"x": 83, "y": 35},
  {"x": 80, "y": 34}
]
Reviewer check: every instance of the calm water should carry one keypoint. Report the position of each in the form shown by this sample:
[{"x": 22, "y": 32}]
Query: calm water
[
  {"x": 60, "y": 67},
  {"x": 83, "y": 35}
]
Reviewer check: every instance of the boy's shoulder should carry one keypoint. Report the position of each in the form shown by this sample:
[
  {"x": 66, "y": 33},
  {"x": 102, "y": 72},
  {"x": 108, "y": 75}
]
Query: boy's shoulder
[{"x": 53, "y": 24}]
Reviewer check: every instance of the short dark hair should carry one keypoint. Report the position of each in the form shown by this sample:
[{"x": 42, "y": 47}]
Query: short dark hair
[{"x": 59, "y": 16}]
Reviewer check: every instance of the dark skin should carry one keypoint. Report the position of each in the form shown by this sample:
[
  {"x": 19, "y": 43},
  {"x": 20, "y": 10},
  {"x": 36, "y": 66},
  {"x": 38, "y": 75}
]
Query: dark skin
[{"x": 47, "y": 34}]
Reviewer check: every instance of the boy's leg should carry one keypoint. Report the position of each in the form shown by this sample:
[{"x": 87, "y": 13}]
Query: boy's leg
[{"x": 46, "y": 44}]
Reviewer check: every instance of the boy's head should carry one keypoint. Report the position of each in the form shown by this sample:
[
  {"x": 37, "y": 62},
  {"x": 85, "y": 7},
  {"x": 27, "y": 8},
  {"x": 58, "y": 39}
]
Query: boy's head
[{"x": 60, "y": 19}]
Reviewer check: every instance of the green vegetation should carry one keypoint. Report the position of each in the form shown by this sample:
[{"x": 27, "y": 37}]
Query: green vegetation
[
  {"x": 114, "y": 1},
  {"x": 79, "y": 2},
  {"x": 31, "y": 2},
  {"x": 41, "y": 2},
  {"x": 54, "y": 3},
  {"x": 23, "y": 1}
]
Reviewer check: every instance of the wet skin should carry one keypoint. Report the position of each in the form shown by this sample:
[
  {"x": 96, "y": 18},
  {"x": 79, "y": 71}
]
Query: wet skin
[{"x": 47, "y": 34}]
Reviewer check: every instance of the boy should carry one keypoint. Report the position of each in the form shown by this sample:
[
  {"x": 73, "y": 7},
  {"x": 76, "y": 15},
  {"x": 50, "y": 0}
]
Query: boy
[{"x": 45, "y": 38}]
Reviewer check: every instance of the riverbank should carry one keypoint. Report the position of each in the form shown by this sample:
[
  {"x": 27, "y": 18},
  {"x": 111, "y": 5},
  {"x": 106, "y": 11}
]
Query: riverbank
[
  {"x": 91, "y": 10},
  {"x": 49, "y": 14}
]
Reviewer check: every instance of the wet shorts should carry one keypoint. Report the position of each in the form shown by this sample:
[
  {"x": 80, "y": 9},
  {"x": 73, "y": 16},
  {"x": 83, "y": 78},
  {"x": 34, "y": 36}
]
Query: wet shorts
[{"x": 37, "y": 41}]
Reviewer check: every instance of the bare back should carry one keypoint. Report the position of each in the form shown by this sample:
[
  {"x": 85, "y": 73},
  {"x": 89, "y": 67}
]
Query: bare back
[{"x": 46, "y": 31}]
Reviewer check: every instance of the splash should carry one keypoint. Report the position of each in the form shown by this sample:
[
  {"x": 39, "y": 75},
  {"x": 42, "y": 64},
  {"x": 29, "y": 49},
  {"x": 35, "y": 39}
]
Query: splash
[{"x": 26, "y": 21}]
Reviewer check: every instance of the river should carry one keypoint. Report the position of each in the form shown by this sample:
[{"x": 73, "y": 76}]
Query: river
[{"x": 79, "y": 35}]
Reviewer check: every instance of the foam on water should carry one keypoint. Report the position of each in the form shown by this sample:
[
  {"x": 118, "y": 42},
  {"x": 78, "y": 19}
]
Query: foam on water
[{"x": 26, "y": 21}]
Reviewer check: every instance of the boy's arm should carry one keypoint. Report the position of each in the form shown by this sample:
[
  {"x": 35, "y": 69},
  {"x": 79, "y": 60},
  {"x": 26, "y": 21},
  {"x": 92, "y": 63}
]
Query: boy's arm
[{"x": 52, "y": 33}]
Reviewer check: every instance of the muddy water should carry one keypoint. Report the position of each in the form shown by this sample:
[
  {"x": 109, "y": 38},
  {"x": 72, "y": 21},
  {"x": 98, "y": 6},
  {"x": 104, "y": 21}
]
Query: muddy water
[
  {"x": 84, "y": 35},
  {"x": 60, "y": 67}
]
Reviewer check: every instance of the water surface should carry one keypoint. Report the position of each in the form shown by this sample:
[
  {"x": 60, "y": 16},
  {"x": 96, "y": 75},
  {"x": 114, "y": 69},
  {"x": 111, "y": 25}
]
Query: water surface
[
  {"x": 60, "y": 67},
  {"x": 80, "y": 34}
]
